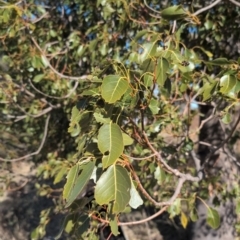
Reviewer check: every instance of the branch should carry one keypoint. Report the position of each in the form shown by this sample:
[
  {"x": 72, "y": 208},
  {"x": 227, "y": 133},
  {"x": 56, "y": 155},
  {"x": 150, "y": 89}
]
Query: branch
[
  {"x": 206, "y": 8},
  {"x": 84, "y": 77},
  {"x": 235, "y": 2},
  {"x": 159, "y": 204},
  {"x": 143, "y": 158},
  {"x": 172, "y": 170},
  {"x": 39, "y": 149},
  {"x": 152, "y": 9},
  {"x": 144, "y": 220},
  {"x": 167, "y": 204},
  {"x": 49, "y": 96}
]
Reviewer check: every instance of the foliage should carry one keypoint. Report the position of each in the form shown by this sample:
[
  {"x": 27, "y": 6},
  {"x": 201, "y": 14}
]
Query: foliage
[{"x": 116, "y": 77}]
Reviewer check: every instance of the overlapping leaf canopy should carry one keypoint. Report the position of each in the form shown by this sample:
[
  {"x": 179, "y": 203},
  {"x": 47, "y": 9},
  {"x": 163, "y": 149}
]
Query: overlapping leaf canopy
[{"x": 115, "y": 76}]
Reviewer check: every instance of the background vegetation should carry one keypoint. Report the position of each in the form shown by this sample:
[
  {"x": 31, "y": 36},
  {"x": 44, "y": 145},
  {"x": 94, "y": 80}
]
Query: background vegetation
[{"x": 106, "y": 91}]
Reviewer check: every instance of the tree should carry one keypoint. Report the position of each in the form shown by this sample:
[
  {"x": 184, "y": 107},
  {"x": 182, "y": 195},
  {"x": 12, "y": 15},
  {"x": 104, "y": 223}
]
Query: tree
[{"x": 110, "y": 89}]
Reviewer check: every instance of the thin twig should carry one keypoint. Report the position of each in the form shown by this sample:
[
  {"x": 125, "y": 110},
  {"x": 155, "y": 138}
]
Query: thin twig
[
  {"x": 36, "y": 152},
  {"x": 143, "y": 158},
  {"x": 49, "y": 96},
  {"x": 206, "y": 8},
  {"x": 235, "y": 2},
  {"x": 172, "y": 170},
  {"x": 167, "y": 204},
  {"x": 150, "y": 8},
  {"x": 84, "y": 77},
  {"x": 144, "y": 220}
]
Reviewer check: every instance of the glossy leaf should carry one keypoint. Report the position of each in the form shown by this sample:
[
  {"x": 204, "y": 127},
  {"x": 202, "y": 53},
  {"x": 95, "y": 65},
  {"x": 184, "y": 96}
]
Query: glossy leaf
[
  {"x": 113, "y": 87},
  {"x": 110, "y": 143},
  {"x": 227, "y": 82},
  {"x": 114, "y": 186}
]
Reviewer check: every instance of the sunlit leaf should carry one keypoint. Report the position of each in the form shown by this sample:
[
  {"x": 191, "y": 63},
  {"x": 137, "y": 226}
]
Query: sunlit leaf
[
  {"x": 110, "y": 143},
  {"x": 227, "y": 82},
  {"x": 113, "y": 87},
  {"x": 100, "y": 119},
  {"x": 135, "y": 200},
  {"x": 127, "y": 140},
  {"x": 114, "y": 186}
]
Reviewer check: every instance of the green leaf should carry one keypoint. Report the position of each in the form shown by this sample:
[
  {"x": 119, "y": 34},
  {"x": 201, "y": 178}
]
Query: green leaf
[
  {"x": 38, "y": 78},
  {"x": 153, "y": 105},
  {"x": 149, "y": 50},
  {"x": 127, "y": 141},
  {"x": 208, "y": 24},
  {"x": 226, "y": 119},
  {"x": 74, "y": 127},
  {"x": 91, "y": 92},
  {"x": 175, "y": 208},
  {"x": 71, "y": 179},
  {"x": 148, "y": 80},
  {"x": 173, "y": 13},
  {"x": 83, "y": 224},
  {"x": 219, "y": 61},
  {"x": 100, "y": 119},
  {"x": 110, "y": 143},
  {"x": 135, "y": 200},
  {"x": 79, "y": 180},
  {"x": 161, "y": 73},
  {"x": 114, "y": 225},
  {"x": 63, "y": 226},
  {"x": 160, "y": 175},
  {"x": 194, "y": 215},
  {"x": 147, "y": 65},
  {"x": 113, "y": 87},
  {"x": 227, "y": 82},
  {"x": 208, "y": 89},
  {"x": 58, "y": 178},
  {"x": 213, "y": 218},
  {"x": 114, "y": 186}
]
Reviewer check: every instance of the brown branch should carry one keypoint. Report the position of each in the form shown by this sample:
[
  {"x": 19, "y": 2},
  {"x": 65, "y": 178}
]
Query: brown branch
[
  {"x": 167, "y": 204},
  {"x": 176, "y": 172}
]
